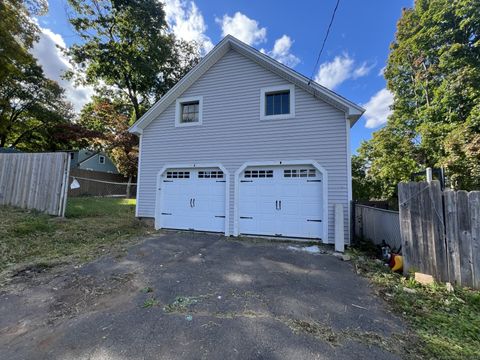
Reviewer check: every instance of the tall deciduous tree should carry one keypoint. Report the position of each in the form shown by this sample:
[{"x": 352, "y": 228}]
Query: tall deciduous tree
[
  {"x": 126, "y": 50},
  {"x": 434, "y": 73},
  {"x": 31, "y": 106},
  {"x": 18, "y": 32},
  {"x": 110, "y": 121}
]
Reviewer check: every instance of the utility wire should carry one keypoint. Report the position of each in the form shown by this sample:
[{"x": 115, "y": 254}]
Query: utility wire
[{"x": 324, "y": 40}]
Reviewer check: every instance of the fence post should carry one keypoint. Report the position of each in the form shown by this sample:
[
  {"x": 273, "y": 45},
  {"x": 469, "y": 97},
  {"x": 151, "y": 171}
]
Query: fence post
[
  {"x": 451, "y": 232},
  {"x": 429, "y": 174},
  {"x": 474, "y": 207}
]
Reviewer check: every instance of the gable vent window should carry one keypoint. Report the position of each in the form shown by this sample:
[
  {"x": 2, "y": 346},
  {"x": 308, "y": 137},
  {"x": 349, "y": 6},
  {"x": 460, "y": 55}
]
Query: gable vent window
[
  {"x": 299, "y": 173},
  {"x": 101, "y": 159},
  {"x": 178, "y": 174},
  {"x": 258, "y": 173},
  {"x": 277, "y": 102},
  {"x": 210, "y": 174},
  {"x": 189, "y": 111}
]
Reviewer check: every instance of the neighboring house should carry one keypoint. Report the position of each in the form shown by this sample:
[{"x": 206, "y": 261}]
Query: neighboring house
[
  {"x": 91, "y": 160},
  {"x": 5, "y": 150},
  {"x": 245, "y": 145}
]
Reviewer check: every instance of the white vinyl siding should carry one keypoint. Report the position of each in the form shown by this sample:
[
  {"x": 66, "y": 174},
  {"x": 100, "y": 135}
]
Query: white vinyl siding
[{"x": 232, "y": 133}]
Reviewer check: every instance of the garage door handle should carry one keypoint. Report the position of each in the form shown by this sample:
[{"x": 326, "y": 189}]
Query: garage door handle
[
  {"x": 276, "y": 204},
  {"x": 280, "y": 205},
  {"x": 191, "y": 202}
]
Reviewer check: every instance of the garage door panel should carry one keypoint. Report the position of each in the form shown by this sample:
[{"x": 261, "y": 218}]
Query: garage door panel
[
  {"x": 288, "y": 202},
  {"x": 193, "y": 199}
]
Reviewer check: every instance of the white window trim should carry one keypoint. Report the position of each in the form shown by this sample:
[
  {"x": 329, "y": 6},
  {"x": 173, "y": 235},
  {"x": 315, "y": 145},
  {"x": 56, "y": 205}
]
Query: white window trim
[
  {"x": 104, "y": 160},
  {"x": 178, "y": 111},
  {"x": 265, "y": 90}
]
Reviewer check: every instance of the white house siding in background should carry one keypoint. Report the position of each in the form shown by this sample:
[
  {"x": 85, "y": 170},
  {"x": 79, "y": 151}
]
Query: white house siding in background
[{"x": 232, "y": 134}]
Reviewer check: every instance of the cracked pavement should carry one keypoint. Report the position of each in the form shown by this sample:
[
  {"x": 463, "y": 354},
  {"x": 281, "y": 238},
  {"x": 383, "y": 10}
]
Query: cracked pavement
[{"x": 186, "y": 295}]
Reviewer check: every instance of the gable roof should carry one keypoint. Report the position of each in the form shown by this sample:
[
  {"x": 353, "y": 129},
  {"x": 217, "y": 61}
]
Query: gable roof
[{"x": 352, "y": 110}]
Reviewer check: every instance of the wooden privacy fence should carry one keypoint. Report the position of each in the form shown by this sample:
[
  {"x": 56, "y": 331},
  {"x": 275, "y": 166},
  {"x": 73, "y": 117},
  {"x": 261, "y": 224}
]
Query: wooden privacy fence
[
  {"x": 35, "y": 181},
  {"x": 441, "y": 232},
  {"x": 376, "y": 224}
]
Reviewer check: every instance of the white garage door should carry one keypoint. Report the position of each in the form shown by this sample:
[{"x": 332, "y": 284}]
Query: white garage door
[
  {"x": 192, "y": 199},
  {"x": 281, "y": 201}
]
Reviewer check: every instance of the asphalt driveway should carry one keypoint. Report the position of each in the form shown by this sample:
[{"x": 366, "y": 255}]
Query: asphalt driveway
[{"x": 197, "y": 296}]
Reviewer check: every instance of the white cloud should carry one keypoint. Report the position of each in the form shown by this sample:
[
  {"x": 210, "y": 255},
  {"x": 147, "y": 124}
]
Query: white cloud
[
  {"x": 381, "y": 72},
  {"x": 341, "y": 68},
  {"x": 186, "y": 21},
  {"x": 55, "y": 63},
  {"x": 281, "y": 51},
  {"x": 243, "y": 28},
  {"x": 378, "y": 108},
  {"x": 363, "y": 70}
]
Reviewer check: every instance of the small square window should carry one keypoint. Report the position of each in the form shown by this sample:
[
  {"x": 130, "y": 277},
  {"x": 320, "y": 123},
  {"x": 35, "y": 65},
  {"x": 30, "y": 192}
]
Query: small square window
[
  {"x": 277, "y": 103},
  {"x": 101, "y": 159},
  {"x": 189, "y": 111}
]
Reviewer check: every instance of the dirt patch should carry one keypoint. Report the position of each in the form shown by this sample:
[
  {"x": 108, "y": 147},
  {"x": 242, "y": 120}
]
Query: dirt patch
[
  {"x": 315, "y": 329},
  {"x": 83, "y": 293}
]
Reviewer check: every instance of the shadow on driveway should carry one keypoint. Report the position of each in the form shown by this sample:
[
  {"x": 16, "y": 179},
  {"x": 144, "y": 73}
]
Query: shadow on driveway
[{"x": 184, "y": 295}]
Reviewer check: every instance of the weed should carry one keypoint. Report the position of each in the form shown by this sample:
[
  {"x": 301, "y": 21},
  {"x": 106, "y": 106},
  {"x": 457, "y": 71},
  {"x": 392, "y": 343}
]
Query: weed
[
  {"x": 93, "y": 226},
  {"x": 150, "y": 302},
  {"x": 181, "y": 304},
  {"x": 447, "y": 324},
  {"x": 147, "y": 289},
  {"x": 317, "y": 330}
]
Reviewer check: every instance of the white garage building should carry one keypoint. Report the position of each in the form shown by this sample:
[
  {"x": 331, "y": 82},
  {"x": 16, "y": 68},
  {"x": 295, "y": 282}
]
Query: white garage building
[{"x": 243, "y": 145}]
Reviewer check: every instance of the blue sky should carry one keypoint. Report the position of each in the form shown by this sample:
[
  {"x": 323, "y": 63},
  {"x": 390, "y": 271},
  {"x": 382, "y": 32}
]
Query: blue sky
[{"x": 351, "y": 64}]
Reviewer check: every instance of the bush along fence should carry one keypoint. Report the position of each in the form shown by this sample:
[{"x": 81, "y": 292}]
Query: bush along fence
[
  {"x": 377, "y": 225},
  {"x": 35, "y": 181},
  {"x": 440, "y": 232}
]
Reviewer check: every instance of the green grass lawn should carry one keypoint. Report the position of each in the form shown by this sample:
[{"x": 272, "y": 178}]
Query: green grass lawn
[
  {"x": 91, "y": 227},
  {"x": 446, "y": 324}
]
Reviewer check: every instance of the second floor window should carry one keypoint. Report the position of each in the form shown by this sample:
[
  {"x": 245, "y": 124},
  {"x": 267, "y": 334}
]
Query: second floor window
[
  {"x": 190, "y": 112},
  {"x": 101, "y": 159},
  {"x": 277, "y": 103}
]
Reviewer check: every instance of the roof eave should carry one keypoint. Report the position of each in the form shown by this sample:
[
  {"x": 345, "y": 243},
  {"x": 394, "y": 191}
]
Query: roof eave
[{"x": 352, "y": 110}]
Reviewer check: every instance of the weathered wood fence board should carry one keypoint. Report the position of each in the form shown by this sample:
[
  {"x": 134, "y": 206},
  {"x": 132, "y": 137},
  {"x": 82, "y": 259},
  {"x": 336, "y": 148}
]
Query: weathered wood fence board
[
  {"x": 35, "y": 181},
  {"x": 441, "y": 232}
]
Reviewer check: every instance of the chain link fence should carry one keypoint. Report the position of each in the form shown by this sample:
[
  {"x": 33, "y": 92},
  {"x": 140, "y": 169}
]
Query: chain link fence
[{"x": 82, "y": 186}]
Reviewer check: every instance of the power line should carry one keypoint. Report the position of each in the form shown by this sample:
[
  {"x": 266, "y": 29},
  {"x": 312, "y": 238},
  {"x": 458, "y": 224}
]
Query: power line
[{"x": 324, "y": 40}]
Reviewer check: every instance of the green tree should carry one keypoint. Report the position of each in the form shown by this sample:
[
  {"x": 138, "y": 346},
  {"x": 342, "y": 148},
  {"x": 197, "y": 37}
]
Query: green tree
[
  {"x": 17, "y": 34},
  {"x": 126, "y": 50},
  {"x": 110, "y": 121},
  {"x": 433, "y": 71},
  {"x": 31, "y": 106}
]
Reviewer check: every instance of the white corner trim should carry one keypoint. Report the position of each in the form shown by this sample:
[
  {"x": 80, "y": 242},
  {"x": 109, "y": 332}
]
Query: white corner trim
[
  {"x": 193, "y": 166},
  {"x": 349, "y": 178},
  {"x": 138, "y": 173},
  {"x": 178, "y": 110},
  {"x": 315, "y": 164},
  {"x": 266, "y": 90}
]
